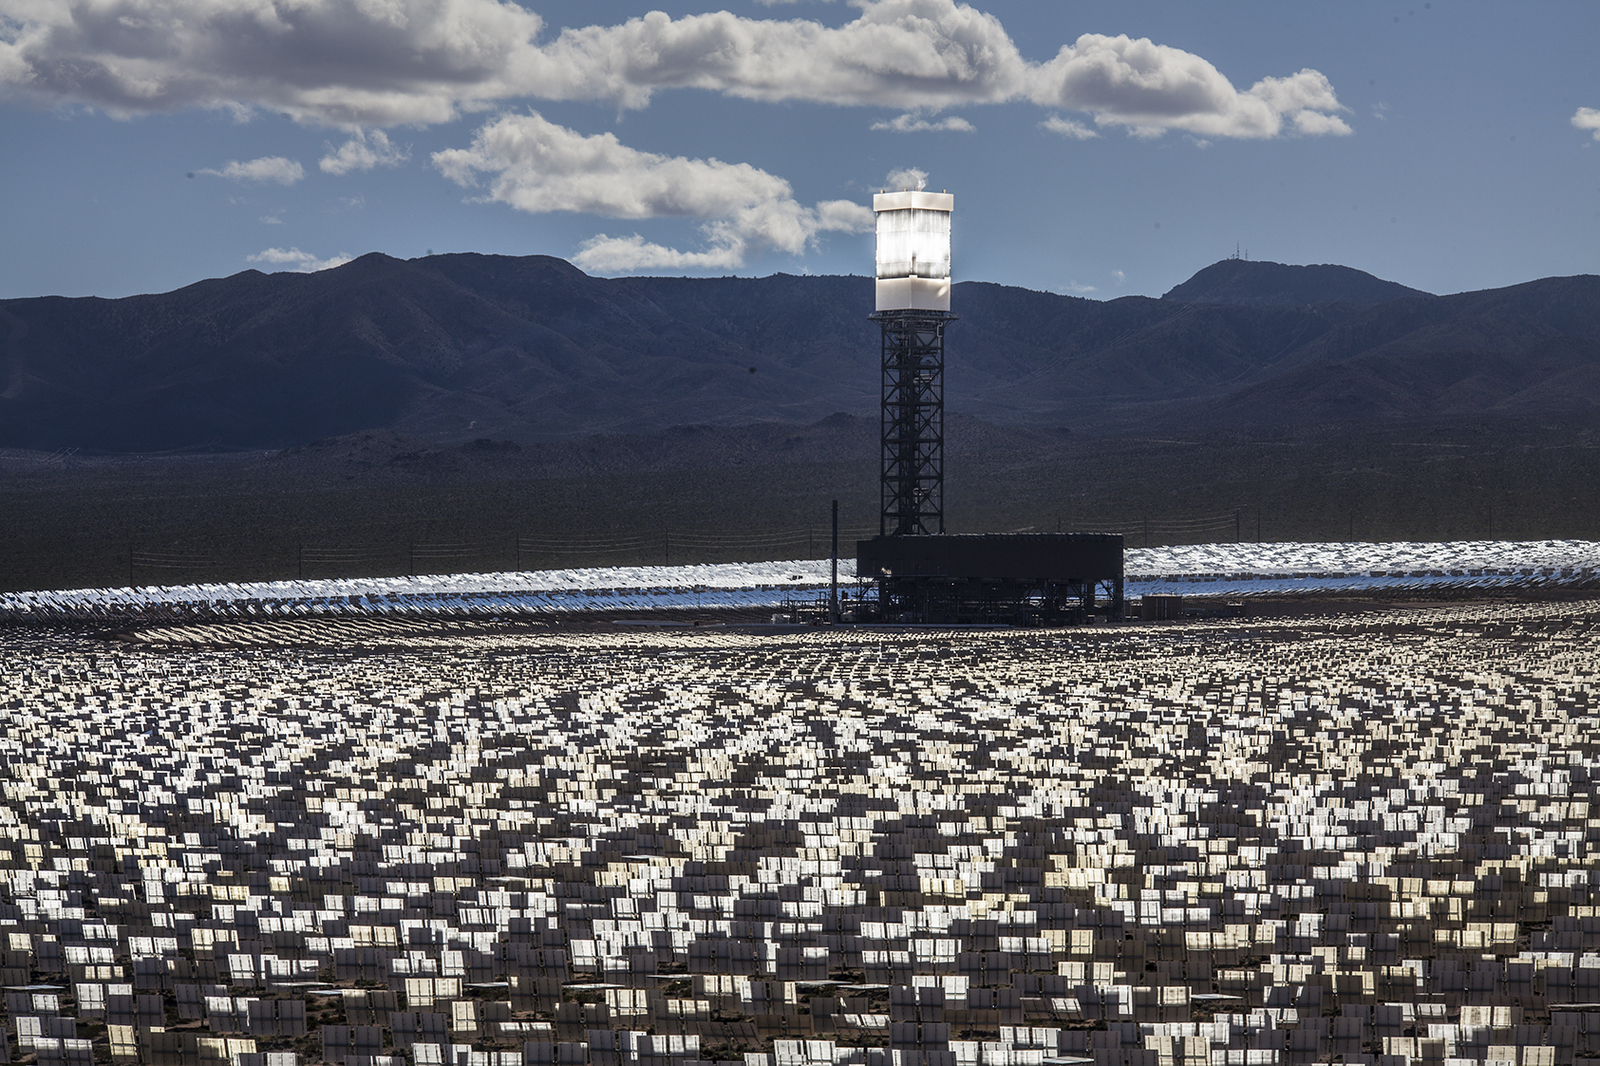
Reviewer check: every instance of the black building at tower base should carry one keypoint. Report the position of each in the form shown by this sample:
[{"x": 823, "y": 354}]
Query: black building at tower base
[{"x": 994, "y": 578}]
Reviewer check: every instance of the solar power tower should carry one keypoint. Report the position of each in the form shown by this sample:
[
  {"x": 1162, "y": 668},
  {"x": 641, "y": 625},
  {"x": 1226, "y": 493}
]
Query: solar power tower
[{"x": 913, "y": 308}]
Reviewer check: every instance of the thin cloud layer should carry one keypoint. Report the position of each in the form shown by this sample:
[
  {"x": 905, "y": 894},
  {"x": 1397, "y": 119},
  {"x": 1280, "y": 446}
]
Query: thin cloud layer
[
  {"x": 1068, "y": 128},
  {"x": 1588, "y": 118},
  {"x": 377, "y": 63},
  {"x": 295, "y": 259},
  {"x": 537, "y": 166},
  {"x": 273, "y": 168},
  {"x": 910, "y": 123}
]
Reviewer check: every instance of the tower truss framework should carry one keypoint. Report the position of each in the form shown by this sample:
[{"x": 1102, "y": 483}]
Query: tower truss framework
[{"x": 912, "y": 469}]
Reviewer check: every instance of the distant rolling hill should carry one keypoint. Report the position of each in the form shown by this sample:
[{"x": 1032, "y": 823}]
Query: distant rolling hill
[
  {"x": 1243, "y": 281},
  {"x": 457, "y": 347}
]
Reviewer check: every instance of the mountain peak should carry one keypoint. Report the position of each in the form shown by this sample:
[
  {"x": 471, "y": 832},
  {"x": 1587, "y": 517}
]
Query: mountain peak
[{"x": 1257, "y": 283}]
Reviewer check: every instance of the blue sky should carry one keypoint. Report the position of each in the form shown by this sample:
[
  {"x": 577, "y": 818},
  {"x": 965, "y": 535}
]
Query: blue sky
[{"x": 1103, "y": 149}]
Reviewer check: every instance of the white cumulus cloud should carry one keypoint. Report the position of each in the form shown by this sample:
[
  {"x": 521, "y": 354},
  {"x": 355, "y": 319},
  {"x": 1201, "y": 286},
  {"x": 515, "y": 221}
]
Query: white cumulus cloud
[
  {"x": 1150, "y": 88},
  {"x": 338, "y": 62},
  {"x": 907, "y": 178},
  {"x": 911, "y": 123},
  {"x": 364, "y": 150},
  {"x": 537, "y": 166},
  {"x": 268, "y": 168},
  {"x": 1588, "y": 118},
  {"x": 295, "y": 259},
  {"x": 925, "y": 54},
  {"x": 378, "y": 63}
]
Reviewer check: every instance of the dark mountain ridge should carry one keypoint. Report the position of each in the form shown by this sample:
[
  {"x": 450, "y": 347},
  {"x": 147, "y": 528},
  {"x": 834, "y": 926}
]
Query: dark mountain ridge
[
  {"x": 1258, "y": 282},
  {"x": 452, "y": 348}
]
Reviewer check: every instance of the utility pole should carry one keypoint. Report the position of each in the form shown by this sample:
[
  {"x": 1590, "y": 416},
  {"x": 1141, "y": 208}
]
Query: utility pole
[{"x": 833, "y": 584}]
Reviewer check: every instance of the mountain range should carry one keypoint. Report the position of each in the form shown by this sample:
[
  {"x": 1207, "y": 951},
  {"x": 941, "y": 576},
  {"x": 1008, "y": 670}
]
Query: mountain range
[{"x": 452, "y": 348}]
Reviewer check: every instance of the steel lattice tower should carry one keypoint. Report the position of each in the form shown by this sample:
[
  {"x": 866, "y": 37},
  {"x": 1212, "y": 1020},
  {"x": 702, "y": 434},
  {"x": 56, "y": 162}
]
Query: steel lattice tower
[
  {"x": 912, "y": 294},
  {"x": 921, "y": 573},
  {"x": 912, "y": 469}
]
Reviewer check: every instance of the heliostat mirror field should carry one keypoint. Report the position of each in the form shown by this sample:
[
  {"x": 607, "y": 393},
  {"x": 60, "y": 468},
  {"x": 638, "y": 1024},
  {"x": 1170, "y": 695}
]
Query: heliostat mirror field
[{"x": 1357, "y": 839}]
